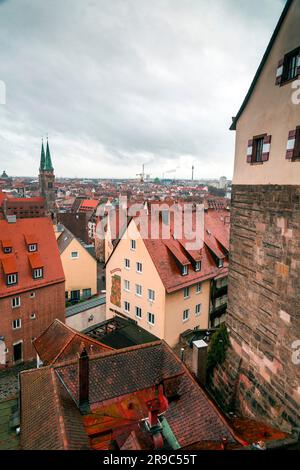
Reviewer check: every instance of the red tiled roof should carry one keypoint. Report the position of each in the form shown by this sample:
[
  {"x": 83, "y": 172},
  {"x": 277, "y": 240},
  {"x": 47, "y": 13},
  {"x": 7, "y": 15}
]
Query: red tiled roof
[
  {"x": 166, "y": 254},
  {"x": 30, "y": 238},
  {"x": 47, "y": 250},
  {"x": 9, "y": 264},
  {"x": 89, "y": 204},
  {"x": 59, "y": 343},
  {"x": 35, "y": 260},
  {"x": 6, "y": 243},
  {"x": 120, "y": 385}
]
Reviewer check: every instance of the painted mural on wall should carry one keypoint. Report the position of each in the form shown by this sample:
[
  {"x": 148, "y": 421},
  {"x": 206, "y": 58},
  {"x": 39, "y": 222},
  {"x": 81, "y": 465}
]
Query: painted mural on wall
[{"x": 115, "y": 294}]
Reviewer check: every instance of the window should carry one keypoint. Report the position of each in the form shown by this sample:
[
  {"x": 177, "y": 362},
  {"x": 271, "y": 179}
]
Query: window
[
  {"x": 198, "y": 287},
  {"x": 32, "y": 295},
  {"x": 127, "y": 306},
  {"x": 126, "y": 285},
  {"x": 138, "y": 312},
  {"x": 133, "y": 245},
  {"x": 151, "y": 318},
  {"x": 86, "y": 293},
  {"x": 16, "y": 302},
  {"x": 186, "y": 292},
  {"x": 184, "y": 270},
  {"x": 197, "y": 265},
  {"x": 37, "y": 273},
  {"x": 16, "y": 324},
  {"x": 32, "y": 247},
  {"x": 7, "y": 250},
  {"x": 220, "y": 263},
  {"x": 290, "y": 66},
  {"x": 296, "y": 155},
  {"x": 138, "y": 290},
  {"x": 139, "y": 267},
  {"x": 75, "y": 295},
  {"x": 222, "y": 282},
  {"x": 186, "y": 315},
  {"x": 198, "y": 310},
  {"x": 221, "y": 301},
  {"x": 151, "y": 295},
  {"x": 17, "y": 351},
  {"x": 258, "y": 144},
  {"x": 74, "y": 254},
  {"x": 33, "y": 316},
  {"x": 11, "y": 279},
  {"x": 127, "y": 263}
]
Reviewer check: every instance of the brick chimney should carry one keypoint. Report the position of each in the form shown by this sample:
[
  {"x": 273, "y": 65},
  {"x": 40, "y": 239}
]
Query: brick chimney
[
  {"x": 84, "y": 380},
  {"x": 199, "y": 362}
]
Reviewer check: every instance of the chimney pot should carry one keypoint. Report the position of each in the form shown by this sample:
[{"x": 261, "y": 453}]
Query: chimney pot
[{"x": 199, "y": 362}]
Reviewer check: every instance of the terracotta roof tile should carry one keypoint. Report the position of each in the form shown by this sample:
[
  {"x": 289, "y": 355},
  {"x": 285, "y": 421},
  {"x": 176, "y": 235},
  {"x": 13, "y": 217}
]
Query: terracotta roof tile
[{"x": 47, "y": 249}]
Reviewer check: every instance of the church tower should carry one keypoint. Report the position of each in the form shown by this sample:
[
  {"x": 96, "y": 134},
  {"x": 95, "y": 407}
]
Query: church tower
[{"x": 46, "y": 180}]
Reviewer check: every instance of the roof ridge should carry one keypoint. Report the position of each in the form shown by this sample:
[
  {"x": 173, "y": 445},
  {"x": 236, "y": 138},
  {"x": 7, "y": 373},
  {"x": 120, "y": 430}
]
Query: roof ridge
[{"x": 113, "y": 352}]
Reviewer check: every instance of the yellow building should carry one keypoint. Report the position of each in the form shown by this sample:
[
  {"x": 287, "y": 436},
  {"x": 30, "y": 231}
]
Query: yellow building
[
  {"x": 161, "y": 285},
  {"x": 80, "y": 267}
]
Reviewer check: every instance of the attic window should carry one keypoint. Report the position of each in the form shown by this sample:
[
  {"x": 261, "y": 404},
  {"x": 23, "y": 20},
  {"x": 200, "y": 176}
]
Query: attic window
[
  {"x": 32, "y": 247},
  {"x": 7, "y": 249},
  {"x": 220, "y": 263},
  {"x": 12, "y": 279},
  {"x": 291, "y": 65},
  {"x": 198, "y": 266},
  {"x": 37, "y": 273},
  {"x": 184, "y": 270}
]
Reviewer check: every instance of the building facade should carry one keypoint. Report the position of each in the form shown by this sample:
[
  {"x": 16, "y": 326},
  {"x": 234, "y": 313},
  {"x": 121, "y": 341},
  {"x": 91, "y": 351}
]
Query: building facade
[
  {"x": 32, "y": 292},
  {"x": 162, "y": 285},
  {"x": 261, "y": 375},
  {"x": 80, "y": 267}
]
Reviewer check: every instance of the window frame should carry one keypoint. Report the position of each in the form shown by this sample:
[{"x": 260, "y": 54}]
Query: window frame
[
  {"x": 296, "y": 157},
  {"x": 38, "y": 273},
  {"x": 149, "y": 296},
  {"x": 32, "y": 247},
  {"x": 126, "y": 289},
  {"x": 186, "y": 292},
  {"x": 136, "y": 290},
  {"x": 198, "y": 313},
  {"x": 18, "y": 303},
  {"x": 149, "y": 316},
  {"x": 184, "y": 317},
  {"x": 137, "y": 308},
  {"x": 126, "y": 303},
  {"x": 290, "y": 55},
  {"x": 133, "y": 244},
  {"x": 199, "y": 284},
  {"x": 126, "y": 263},
  {"x": 9, "y": 276},
  {"x": 19, "y": 320},
  {"x": 138, "y": 263}
]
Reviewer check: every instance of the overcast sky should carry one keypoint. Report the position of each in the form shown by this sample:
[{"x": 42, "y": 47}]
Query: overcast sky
[{"x": 118, "y": 83}]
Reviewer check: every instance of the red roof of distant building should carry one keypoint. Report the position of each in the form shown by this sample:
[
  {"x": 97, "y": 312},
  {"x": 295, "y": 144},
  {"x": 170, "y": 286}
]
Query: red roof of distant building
[
  {"x": 89, "y": 204},
  {"x": 47, "y": 254}
]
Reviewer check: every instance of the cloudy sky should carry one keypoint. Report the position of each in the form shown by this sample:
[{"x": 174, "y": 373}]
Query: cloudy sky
[{"x": 118, "y": 83}]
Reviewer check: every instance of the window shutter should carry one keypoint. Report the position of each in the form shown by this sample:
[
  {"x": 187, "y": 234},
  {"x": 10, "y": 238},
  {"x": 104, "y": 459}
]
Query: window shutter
[
  {"x": 291, "y": 145},
  {"x": 279, "y": 72},
  {"x": 266, "y": 148},
  {"x": 249, "y": 151}
]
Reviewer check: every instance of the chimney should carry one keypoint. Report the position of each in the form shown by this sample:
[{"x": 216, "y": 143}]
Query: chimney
[
  {"x": 83, "y": 380},
  {"x": 199, "y": 362}
]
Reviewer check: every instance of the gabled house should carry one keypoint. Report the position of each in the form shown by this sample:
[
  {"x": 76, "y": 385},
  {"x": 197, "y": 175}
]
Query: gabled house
[
  {"x": 164, "y": 285},
  {"x": 79, "y": 266},
  {"x": 32, "y": 286}
]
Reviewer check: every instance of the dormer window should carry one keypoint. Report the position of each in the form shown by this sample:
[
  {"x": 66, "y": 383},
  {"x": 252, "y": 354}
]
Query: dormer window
[
  {"x": 220, "y": 263},
  {"x": 12, "y": 279},
  {"x": 32, "y": 247},
  {"x": 38, "y": 273},
  {"x": 7, "y": 246},
  {"x": 198, "y": 266},
  {"x": 184, "y": 270},
  {"x": 7, "y": 249}
]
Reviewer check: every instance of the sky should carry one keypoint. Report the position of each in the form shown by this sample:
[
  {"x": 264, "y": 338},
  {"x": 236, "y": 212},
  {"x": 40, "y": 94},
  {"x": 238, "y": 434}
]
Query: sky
[{"x": 120, "y": 83}]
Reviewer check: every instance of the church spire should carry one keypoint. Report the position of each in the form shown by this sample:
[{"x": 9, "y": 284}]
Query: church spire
[
  {"x": 43, "y": 158},
  {"x": 48, "y": 163}
]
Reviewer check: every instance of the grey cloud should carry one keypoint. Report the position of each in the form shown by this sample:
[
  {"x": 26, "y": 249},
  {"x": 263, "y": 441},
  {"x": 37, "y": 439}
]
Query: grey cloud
[{"x": 119, "y": 83}]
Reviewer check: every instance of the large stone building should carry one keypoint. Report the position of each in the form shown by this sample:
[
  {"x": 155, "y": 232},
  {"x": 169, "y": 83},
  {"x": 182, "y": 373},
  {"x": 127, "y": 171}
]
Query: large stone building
[
  {"x": 261, "y": 374},
  {"x": 32, "y": 287}
]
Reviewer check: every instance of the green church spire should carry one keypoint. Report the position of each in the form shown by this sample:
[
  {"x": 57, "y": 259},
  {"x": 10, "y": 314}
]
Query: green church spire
[
  {"x": 48, "y": 163},
  {"x": 43, "y": 158}
]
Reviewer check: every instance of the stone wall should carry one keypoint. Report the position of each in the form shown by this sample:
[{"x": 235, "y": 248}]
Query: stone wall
[{"x": 259, "y": 377}]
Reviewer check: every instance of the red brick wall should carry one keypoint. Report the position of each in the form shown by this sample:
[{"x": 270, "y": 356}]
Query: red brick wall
[{"x": 48, "y": 304}]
